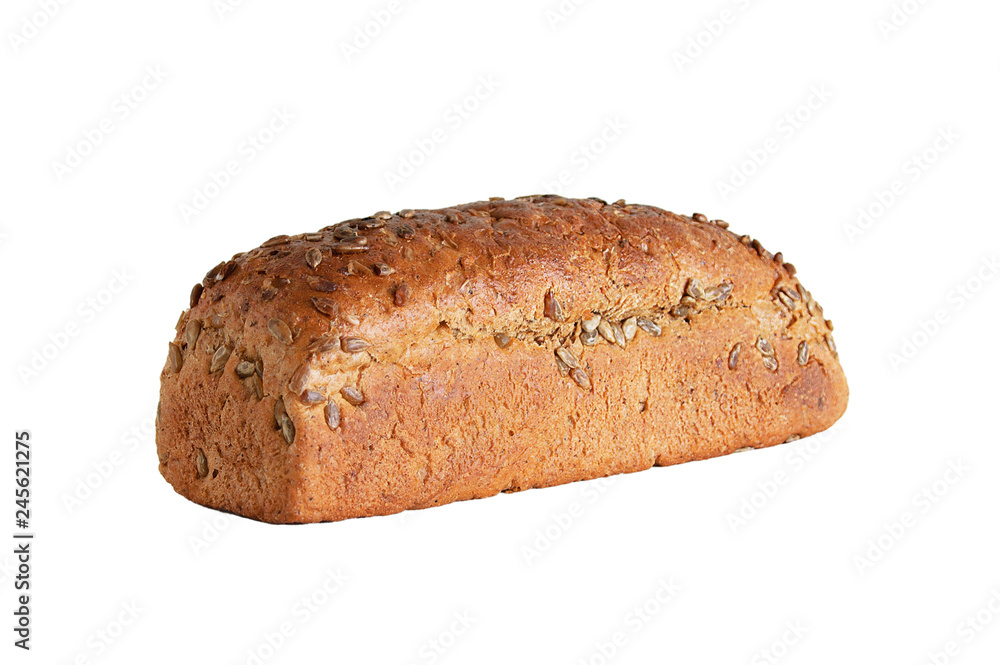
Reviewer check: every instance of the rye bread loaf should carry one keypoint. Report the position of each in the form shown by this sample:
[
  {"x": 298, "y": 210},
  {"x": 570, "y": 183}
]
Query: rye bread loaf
[{"x": 409, "y": 360}]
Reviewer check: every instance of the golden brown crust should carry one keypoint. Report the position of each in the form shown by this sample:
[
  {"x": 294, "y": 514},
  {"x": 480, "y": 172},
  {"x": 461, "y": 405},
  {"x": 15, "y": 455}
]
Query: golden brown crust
[{"x": 457, "y": 354}]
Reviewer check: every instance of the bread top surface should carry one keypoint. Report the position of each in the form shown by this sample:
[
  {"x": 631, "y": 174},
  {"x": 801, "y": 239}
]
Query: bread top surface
[{"x": 531, "y": 269}]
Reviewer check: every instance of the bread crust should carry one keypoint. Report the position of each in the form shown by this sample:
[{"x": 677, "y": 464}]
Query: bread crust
[{"x": 459, "y": 336}]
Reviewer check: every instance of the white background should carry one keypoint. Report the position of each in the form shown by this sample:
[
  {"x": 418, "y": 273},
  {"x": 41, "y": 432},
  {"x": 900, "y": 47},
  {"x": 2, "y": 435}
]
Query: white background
[{"x": 817, "y": 550}]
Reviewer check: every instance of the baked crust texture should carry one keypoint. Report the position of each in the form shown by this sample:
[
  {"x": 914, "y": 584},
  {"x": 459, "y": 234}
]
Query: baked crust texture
[{"x": 408, "y": 360}]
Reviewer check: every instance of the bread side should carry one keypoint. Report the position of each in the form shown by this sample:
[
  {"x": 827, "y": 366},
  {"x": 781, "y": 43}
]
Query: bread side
[{"x": 409, "y": 360}]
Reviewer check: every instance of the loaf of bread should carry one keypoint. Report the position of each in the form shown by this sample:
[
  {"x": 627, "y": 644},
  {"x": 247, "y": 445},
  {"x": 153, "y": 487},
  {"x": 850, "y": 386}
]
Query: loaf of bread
[{"x": 408, "y": 360}]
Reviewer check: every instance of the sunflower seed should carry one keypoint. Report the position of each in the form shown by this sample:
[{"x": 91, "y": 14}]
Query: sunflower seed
[
  {"x": 830, "y": 343},
  {"x": 268, "y": 294},
  {"x": 191, "y": 332},
  {"x": 407, "y": 213},
  {"x": 226, "y": 271},
  {"x": 765, "y": 347},
  {"x": 552, "y": 307},
  {"x": 402, "y": 295},
  {"x": 771, "y": 363},
  {"x": 211, "y": 275},
  {"x": 175, "y": 358},
  {"x": 779, "y": 257},
  {"x": 650, "y": 327},
  {"x": 259, "y": 367},
  {"x": 280, "y": 414},
  {"x": 618, "y": 333},
  {"x": 405, "y": 231},
  {"x": 745, "y": 239},
  {"x": 743, "y": 449},
  {"x": 312, "y": 237},
  {"x": 353, "y": 319},
  {"x": 280, "y": 331},
  {"x": 220, "y": 359},
  {"x": 803, "y": 355},
  {"x": 605, "y": 330},
  {"x": 201, "y": 462},
  {"x": 258, "y": 385},
  {"x": 712, "y": 294},
  {"x": 721, "y": 224},
  {"x": 344, "y": 232},
  {"x": 332, "y": 414},
  {"x": 792, "y": 437},
  {"x": 245, "y": 369},
  {"x": 288, "y": 430},
  {"x": 589, "y": 338},
  {"x": 680, "y": 311},
  {"x": 829, "y": 324},
  {"x": 382, "y": 269},
  {"x": 580, "y": 378},
  {"x": 725, "y": 289},
  {"x": 695, "y": 289},
  {"x": 560, "y": 201},
  {"x": 325, "y": 306},
  {"x": 791, "y": 293},
  {"x": 502, "y": 340},
  {"x": 353, "y": 344},
  {"x": 311, "y": 398},
  {"x": 734, "y": 355},
  {"x": 562, "y": 367},
  {"x": 196, "y": 293},
  {"x": 790, "y": 268},
  {"x": 324, "y": 345},
  {"x": 590, "y": 325},
  {"x": 300, "y": 380},
  {"x": 323, "y": 285},
  {"x": 276, "y": 240},
  {"x": 699, "y": 217},
  {"x": 785, "y": 300},
  {"x": 383, "y": 214},
  {"x": 630, "y": 327},
  {"x": 352, "y": 395},
  {"x": 567, "y": 357},
  {"x": 314, "y": 257},
  {"x": 408, "y": 253},
  {"x": 348, "y": 247},
  {"x": 448, "y": 239}
]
